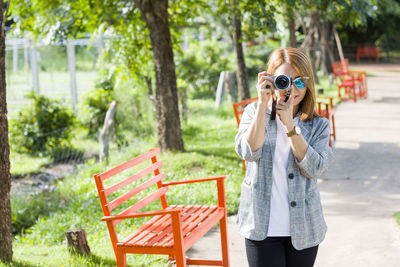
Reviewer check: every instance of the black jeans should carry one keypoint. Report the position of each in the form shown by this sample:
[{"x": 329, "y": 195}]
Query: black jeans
[{"x": 278, "y": 252}]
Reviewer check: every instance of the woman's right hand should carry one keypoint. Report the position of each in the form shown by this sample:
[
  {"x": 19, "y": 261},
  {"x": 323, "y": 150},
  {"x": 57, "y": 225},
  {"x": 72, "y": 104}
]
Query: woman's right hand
[{"x": 264, "y": 87}]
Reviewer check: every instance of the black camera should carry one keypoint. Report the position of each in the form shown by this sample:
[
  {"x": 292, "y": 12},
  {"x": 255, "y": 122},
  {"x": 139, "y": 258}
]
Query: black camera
[{"x": 282, "y": 82}]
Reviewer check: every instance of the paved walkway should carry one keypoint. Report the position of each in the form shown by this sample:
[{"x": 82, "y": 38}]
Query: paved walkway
[{"x": 360, "y": 191}]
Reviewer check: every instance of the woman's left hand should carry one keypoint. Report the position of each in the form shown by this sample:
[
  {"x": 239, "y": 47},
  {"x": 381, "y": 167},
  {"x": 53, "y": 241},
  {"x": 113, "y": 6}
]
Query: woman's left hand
[{"x": 285, "y": 112}]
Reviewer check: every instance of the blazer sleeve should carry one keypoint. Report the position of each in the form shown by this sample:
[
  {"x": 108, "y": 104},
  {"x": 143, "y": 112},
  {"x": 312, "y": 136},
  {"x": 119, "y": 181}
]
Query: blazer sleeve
[
  {"x": 319, "y": 153},
  {"x": 242, "y": 147}
]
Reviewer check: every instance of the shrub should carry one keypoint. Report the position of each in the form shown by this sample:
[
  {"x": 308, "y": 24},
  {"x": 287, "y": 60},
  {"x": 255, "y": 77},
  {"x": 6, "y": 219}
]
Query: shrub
[
  {"x": 93, "y": 110},
  {"x": 41, "y": 126},
  {"x": 200, "y": 66}
]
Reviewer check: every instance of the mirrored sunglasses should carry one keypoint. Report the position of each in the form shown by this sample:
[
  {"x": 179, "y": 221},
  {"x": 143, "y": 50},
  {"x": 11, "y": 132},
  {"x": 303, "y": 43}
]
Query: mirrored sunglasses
[{"x": 300, "y": 82}]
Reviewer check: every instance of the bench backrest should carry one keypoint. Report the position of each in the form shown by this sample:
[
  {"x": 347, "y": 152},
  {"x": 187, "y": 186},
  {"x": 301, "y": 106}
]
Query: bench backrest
[
  {"x": 368, "y": 51},
  {"x": 155, "y": 178},
  {"x": 238, "y": 108}
]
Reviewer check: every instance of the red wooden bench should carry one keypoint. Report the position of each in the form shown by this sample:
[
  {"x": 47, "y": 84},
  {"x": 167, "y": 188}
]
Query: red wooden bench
[
  {"x": 368, "y": 51},
  {"x": 171, "y": 230}
]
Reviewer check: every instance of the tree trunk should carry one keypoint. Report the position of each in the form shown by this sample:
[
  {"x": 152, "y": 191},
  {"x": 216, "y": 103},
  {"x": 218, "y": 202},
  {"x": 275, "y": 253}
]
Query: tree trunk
[
  {"x": 242, "y": 77},
  {"x": 105, "y": 132},
  {"x": 5, "y": 177},
  {"x": 338, "y": 43},
  {"x": 292, "y": 26},
  {"x": 155, "y": 14},
  {"x": 326, "y": 51},
  {"x": 313, "y": 48},
  {"x": 77, "y": 242}
]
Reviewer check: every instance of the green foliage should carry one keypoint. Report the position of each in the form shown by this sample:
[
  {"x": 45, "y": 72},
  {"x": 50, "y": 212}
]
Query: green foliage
[
  {"x": 28, "y": 209},
  {"x": 199, "y": 67},
  {"x": 134, "y": 111},
  {"x": 397, "y": 216},
  {"x": 257, "y": 57},
  {"x": 93, "y": 109},
  {"x": 41, "y": 127},
  {"x": 381, "y": 30}
]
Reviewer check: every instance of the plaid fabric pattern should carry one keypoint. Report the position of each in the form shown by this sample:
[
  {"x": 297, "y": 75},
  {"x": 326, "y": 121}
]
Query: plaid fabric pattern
[{"x": 307, "y": 224}]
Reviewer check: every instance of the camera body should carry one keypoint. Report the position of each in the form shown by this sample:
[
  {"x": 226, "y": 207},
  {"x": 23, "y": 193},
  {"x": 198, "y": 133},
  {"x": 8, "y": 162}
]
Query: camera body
[{"x": 282, "y": 82}]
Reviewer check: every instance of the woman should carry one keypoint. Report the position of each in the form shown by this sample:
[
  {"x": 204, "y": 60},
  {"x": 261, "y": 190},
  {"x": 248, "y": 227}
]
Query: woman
[{"x": 280, "y": 213}]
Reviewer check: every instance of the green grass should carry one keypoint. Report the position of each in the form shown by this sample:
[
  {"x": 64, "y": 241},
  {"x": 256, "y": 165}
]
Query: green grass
[
  {"x": 397, "y": 216},
  {"x": 209, "y": 150},
  {"x": 22, "y": 164}
]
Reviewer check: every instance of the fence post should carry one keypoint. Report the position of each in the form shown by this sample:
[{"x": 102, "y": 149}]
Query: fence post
[
  {"x": 35, "y": 69},
  {"x": 219, "y": 98},
  {"x": 15, "y": 56},
  {"x": 72, "y": 72}
]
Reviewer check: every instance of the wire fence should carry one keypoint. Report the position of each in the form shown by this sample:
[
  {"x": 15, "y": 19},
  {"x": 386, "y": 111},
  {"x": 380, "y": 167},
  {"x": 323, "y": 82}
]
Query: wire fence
[{"x": 62, "y": 70}]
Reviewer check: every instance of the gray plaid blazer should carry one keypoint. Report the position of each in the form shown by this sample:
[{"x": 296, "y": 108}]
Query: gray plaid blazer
[{"x": 307, "y": 224}]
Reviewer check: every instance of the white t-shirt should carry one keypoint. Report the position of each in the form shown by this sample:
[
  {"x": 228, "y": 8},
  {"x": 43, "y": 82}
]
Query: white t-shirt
[{"x": 279, "y": 219}]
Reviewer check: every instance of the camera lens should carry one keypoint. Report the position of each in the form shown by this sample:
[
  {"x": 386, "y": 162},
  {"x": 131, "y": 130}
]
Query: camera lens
[{"x": 282, "y": 82}]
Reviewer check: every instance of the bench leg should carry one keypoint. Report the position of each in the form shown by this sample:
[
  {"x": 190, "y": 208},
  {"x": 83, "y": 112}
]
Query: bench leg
[
  {"x": 121, "y": 258},
  {"x": 224, "y": 241},
  {"x": 180, "y": 258},
  {"x": 333, "y": 127}
]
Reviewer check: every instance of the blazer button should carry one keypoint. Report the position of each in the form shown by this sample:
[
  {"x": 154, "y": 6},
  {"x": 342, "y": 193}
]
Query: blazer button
[
  {"x": 293, "y": 204},
  {"x": 291, "y": 176}
]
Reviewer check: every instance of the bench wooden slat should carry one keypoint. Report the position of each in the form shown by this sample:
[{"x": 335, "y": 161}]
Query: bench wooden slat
[
  {"x": 162, "y": 227},
  {"x": 167, "y": 229},
  {"x": 137, "y": 235},
  {"x": 191, "y": 224},
  {"x": 144, "y": 227},
  {"x": 156, "y": 231},
  {"x": 129, "y": 164},
  {"x": 143, "y": 203},
  {"x": 207, "y": 225},
  {"x": 197, "y": 214},
  {"x": 156, "y": 227},
  {"x": 133, "y": 178},
  {"x": 167, "y": 233},
  {"x": 121, "y": 199}
]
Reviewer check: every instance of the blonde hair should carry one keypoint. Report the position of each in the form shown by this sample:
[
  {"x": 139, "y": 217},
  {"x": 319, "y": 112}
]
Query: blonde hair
[{"x": 302, "y": 64}]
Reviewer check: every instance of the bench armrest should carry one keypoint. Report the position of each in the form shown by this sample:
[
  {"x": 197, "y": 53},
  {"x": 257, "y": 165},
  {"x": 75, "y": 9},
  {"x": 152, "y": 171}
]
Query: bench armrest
[
  {"x": 195, "y": 180},
  {"x": 140, "y": 214}
]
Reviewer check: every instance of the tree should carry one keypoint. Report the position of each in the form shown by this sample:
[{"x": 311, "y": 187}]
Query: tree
[
  {"x": 155, "y": 14},
  {"x": 5, "y": 176},
  {"x": 319, "y": 20},
  {"x": 250, "y": 19},
  {"x": 242, "y": 77},
  {"x": 137, "y": 26}
]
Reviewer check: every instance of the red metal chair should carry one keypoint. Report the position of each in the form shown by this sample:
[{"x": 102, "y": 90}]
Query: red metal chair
[
  {"x": 327, "y": 110},
  {"x": 351, "y": 86},
  {"x": 238, "y": 109},
  {"x": 358, "y": 75}
]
